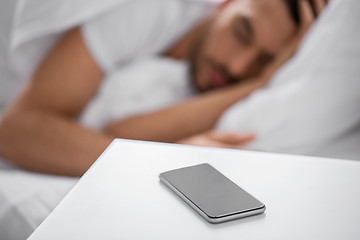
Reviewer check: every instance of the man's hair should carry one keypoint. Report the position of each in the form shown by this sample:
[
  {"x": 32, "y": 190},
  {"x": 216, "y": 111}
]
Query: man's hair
[{"x": 293, "y": 6}]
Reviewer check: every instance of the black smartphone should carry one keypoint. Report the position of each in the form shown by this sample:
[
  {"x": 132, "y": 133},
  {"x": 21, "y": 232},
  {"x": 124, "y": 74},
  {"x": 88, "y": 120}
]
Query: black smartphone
[{"x": 211, "y": 194}]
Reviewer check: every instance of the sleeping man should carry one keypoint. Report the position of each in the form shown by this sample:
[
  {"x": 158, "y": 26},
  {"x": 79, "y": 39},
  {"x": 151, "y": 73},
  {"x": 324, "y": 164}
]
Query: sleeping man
[{"x": 234, "y": 48}]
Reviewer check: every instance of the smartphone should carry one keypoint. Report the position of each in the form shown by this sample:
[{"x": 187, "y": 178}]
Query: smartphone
[{"x": 211, "y": 194}]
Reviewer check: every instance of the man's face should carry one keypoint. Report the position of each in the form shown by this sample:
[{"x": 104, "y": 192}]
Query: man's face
[{"x": 243, "y": 36}]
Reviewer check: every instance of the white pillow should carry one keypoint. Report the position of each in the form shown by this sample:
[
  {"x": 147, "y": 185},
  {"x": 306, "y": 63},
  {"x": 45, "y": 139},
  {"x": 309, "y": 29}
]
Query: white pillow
[
  {"x": 142, "y": 86},
  {"x": 312, "y": 105}
]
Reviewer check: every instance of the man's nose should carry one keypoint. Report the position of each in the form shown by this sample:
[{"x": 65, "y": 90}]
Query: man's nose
[{"x": 241, "y": 63}]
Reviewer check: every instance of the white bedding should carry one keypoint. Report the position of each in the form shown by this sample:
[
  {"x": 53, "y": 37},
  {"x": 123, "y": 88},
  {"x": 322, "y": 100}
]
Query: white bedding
[
  {"x": 143, "y": 86},
  {"x": 329, "y": 107},
  {"x": 26, "y": 199},
  {"x": 35, "y": 26}
]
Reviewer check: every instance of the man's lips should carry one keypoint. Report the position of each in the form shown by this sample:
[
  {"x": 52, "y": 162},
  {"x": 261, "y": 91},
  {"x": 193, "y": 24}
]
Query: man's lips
[{"x": 217, "y": 79}]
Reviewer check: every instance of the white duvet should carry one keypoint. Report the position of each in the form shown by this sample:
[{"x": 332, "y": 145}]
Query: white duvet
[{"x": 311, "y": 106}]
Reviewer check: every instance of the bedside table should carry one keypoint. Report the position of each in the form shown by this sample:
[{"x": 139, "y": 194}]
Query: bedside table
[{"x": 121, "y": 197}]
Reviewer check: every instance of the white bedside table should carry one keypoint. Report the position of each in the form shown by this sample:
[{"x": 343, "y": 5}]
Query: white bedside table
[{"x": 121, "y": 197}]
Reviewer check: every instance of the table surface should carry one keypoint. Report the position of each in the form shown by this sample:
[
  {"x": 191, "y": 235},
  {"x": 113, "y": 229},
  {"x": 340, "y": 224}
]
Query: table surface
[{"x": 121, "y": 197}]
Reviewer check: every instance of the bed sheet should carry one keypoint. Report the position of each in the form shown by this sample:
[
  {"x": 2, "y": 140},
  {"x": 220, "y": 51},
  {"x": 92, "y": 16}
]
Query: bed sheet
[{"x": 26, "y": 199}]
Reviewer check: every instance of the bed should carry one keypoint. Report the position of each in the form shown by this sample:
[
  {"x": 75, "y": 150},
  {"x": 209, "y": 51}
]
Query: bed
[{"x": 310, "y": 107}]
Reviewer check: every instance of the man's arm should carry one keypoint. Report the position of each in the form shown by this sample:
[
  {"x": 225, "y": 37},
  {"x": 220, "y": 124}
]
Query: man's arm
[
  {"x": 192, "y": 117},
  {"x": 38, "y": 131}
]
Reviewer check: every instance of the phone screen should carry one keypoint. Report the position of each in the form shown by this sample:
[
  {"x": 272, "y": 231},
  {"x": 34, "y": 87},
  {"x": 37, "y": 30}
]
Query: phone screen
[{"x": 211, "y": 194}]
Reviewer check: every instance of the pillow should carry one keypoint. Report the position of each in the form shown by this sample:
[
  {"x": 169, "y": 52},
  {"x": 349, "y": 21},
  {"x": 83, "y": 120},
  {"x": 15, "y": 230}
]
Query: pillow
[
  {"x": 142, "y": 86},
  {"x": 312, "y": 105}
]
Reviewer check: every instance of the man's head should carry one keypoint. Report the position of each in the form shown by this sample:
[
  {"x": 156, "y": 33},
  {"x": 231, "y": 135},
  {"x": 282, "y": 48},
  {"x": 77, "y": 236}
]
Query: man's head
[{"x": 241, "y": 38}]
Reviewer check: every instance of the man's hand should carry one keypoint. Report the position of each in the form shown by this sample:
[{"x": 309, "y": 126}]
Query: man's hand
[{"x": 219, "y": 139}]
